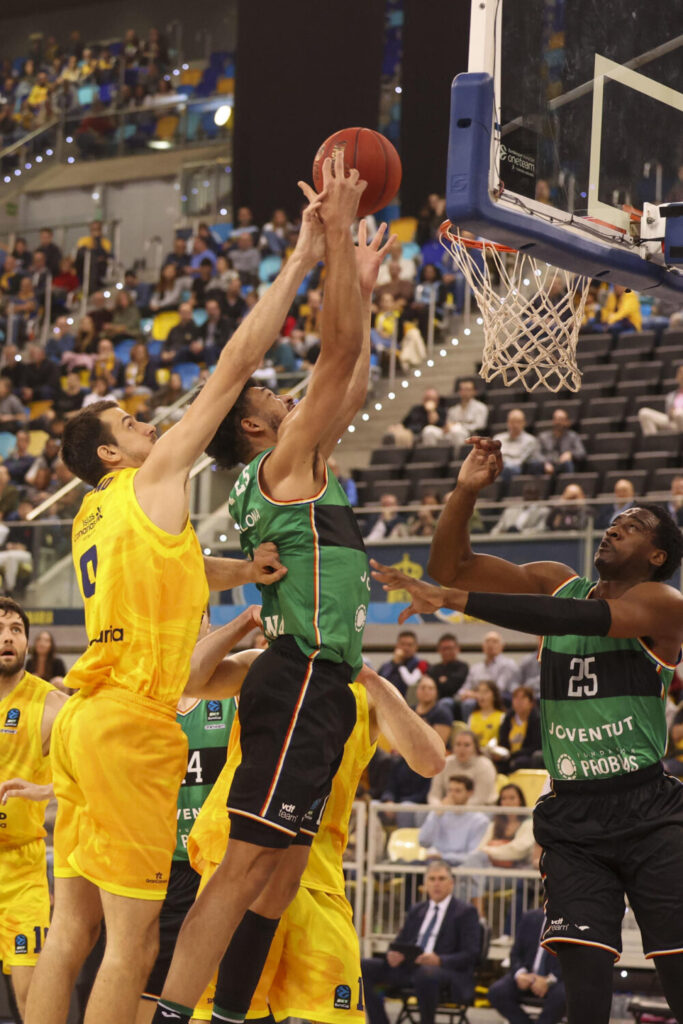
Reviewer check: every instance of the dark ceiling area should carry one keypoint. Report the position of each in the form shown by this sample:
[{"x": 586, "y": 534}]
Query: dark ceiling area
[{"x": 17, "y": 8}]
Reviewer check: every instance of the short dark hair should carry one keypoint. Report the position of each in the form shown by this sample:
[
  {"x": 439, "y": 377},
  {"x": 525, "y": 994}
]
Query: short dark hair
[
  {"x": 447, "y": 636},
  {"x": 82, "y": 437},
  {"x": 230, "y": 445},
  {"x": 408, "y": 632},
  {"x": 464, "y": 780},
  {"x": 8, "y": 604},
  {"x": 667, "y": 536},
  {"x": 526, "y": 690},
  {"x": 48, "y": 229}
]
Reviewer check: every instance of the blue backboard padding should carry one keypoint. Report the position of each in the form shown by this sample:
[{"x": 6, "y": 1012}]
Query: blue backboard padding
[{"x": 469, "y": 205}]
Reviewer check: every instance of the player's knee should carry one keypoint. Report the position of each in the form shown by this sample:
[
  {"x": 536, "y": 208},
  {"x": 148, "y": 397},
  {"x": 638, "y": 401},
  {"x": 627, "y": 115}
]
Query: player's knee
[{"x": 75, "y": 936}]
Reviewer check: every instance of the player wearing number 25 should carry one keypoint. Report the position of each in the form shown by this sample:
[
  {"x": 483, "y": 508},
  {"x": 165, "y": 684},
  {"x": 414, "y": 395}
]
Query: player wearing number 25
[
  {"x": 118, "y": 754},
  {"x": 613, "y": 823}
]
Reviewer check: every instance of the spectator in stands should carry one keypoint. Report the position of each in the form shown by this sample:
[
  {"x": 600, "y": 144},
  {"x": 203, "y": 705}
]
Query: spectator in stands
[
  {"x": 573, "y": 513},
  {"x": 9, "y": 495},
  {"x": 621, "y": 311},
  {"x": 11, "y": 277},
  {"x": 139, "y": 374},
  {"x": 23, "y": 308},
  {"x": 224, "y": 274},
  {"x": 448, "y": 931},
  {"x": 486, "y": 719},
  {"x": 39, "y": 94},
  {"x": 430, "y": 217},
  {"x": 204, "y": 232},
  {"x": 431, "y": 709},
  {"x": 244, "y": 226},
  {"x": 234, "y": 306},
  {"x": 389, "y": 523},
  {"x": 44, "y": 463},
  {"x": 347, "y": 482},
  {"x": 106, "y": 366},
  {"x": 178, "y": 257},
  {"x": 525, "y": 515},
  {"x": 624, "y": 497},
  {"x": 12, "y": 412},
  {"x": 22, "y": 253},
  {"x": 673, "y": 762},
  {"x": 70, "y": 73},
  {"x": 507, "y": 843},
  {"x": 431, "y": 412},
  {"x": 454, "y": 836},
  {"x": 519, "y": 736},
  {"x": 19, "y": 460},
  {"x": 67, "y": 280},
  {"x": 449, "y": 673},
  {"x": 51, "y": 252},
  {"x": 95, "y": 131},
  {"x": 38, "y": 274},
  {"x": 533, "y": 972},
  {"x": 675, "y": 502},
  {"x": 201, "y": 283},
  {"x": 671, "y": 420},
  {"x": 167, "y": 396},
  {"x": 16, "y": 560},
  {"x": 70, "y": 399},
  {"x": 167, "y": 292},
  {"x": 467, "y": 417},
  {"x": 520, "y": 449},
  {"x": 99, "y": 389},
  {"x": 284, "y": 357},
  {"x": 403, "y": 786},
  {"x": 200, "y": 253},
  {"x": 405, "y": 668},
  {"x": 131, "y": 47},
  {"x": 100, "y": 254},
  {"x": 197, "y": 352},
  {"x": 41, "y": 376},
  {"x": 246, "y": 259},
  {"x": 99, "y": 311},
  {"x": 216, "y": 329},
  {"x": 466, "y": 759},
  {"x": 496, "y": 666},
  {"x": 401, "y": 289},
  {"x": 180, "y": 336},
  {"x": 423, "y": 522},
  {"x": 562, "y": 449},
  {"x": 125, "y": 321},
  {"x": 407, "y": 271},
  {"x": 43, "y": 660},
  {"x": 274, "y": 234}
]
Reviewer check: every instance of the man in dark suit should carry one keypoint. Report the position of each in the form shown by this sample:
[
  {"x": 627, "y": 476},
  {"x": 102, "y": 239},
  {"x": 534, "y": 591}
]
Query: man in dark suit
[
  {"x": 533, "y": 972},
  {"x": 449, "y": 934}
]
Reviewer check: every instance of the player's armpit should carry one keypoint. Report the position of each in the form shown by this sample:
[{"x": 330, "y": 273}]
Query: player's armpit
[{"x": 228, "y": 677}]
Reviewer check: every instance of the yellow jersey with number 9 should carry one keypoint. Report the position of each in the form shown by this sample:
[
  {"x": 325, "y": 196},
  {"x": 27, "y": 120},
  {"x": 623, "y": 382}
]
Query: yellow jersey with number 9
[{"x": 144, "y": 592}]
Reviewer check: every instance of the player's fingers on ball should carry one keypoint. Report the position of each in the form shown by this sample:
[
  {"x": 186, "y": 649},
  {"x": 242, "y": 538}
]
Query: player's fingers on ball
[{"x": 327, "y": 173}]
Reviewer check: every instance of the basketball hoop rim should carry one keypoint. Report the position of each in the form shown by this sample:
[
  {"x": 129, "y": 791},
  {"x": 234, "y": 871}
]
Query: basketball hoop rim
[{"x": 446, "y": 230}]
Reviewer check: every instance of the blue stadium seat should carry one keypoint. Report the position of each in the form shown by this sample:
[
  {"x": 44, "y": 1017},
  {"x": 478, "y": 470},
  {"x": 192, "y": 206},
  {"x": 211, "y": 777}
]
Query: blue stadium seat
[
  {"x": 192, "y": 125},
  {"x": 432, "y": 252},
  {"x": 146, "y": 324},
  {"x": 269, "y": 267},
  {"x": 411, "y": 251},
  {"x": 154, "y": 348},
  {"x": 107, "y": 93},
  {"x": 7, "y": 443},
  {"x": 123, "y": 349},
  {"x": 199, "y": 316},
  {"x": 185, "y": 90},
  {"x": 189, "y": 372},
  {"x": 86, "y": 94},
  {"x": 221, "y": 232},
  {"x": 116, "y": 48}
]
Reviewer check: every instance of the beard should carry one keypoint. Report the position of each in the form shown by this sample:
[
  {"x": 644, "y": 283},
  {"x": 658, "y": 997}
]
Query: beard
[{"x": 10, "y": 668}]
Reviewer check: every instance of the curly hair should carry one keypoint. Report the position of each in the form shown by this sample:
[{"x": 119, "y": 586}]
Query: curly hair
[
  {"x": 229, "y": 445},
  {"x": 667, "y": 537}
]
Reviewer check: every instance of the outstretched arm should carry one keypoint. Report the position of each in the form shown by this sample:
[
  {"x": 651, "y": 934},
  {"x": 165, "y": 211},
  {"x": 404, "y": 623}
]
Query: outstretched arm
[
  {"x": 452, "y": 561},
  {"x": 296, "y": 467},
  {"x": 210, "y": 652},
  {"x": 416, "y": 742},
  {"x": 226, "y": 573},
  {"x": 176, "y": 451}
]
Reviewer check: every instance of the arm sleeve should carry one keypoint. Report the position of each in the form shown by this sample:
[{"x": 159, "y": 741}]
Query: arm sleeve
[{"x": 541, "y": 614}]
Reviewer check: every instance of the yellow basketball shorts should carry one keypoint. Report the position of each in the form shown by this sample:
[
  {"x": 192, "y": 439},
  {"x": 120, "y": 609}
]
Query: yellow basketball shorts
[
  {"x": 24, "y": 904},
  {"x": 313, "y": 967},
  {"x": 117, "y": 765}
]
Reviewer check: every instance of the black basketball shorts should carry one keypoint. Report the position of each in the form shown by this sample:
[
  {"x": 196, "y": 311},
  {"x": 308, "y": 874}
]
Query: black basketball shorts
[
  {"x": 296, "y": 714},
  {"x": 605, "y": 839},
  {"x": 183, "y": 883}
]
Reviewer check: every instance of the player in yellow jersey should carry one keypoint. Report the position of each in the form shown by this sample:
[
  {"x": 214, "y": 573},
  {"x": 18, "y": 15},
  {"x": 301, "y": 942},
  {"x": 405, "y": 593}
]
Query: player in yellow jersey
[
  {"x": 313, "y": 967},
  {"x": 28, "y": 708},
  {"x": 119, "y": 754}
]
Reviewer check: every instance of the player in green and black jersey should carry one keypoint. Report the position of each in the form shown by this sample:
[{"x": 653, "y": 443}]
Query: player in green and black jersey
[{"x": 612, "y": 824}]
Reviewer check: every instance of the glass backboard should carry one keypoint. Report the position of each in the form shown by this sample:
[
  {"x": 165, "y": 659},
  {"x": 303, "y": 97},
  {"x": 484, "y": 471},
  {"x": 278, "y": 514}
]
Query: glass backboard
[{"x": 586, "y": 126}]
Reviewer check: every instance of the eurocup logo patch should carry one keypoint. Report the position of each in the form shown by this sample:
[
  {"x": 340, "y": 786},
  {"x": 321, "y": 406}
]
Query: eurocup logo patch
[
  {"x": 12, "y": 720},
  {"x": 342, "y": 997},
  {"x": 214, "y": 711},
  {"x": 20, "y": 945}
]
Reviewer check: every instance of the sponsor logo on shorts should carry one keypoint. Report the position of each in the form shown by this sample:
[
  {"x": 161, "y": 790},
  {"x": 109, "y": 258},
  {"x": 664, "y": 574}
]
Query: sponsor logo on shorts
[
  {"x": 12, "y": 720},
  {"x": 361, "y": 616},
  {"x": 157, "y": 880},
  {"x": 214, "y": 711},
  {"x": 559, "y": 925},
  {"x": 342, "y": 997},
  {"x": 287, "y": 811},
  {"x": 20, "y": 945},
  {"x": 113, "y": 635}
]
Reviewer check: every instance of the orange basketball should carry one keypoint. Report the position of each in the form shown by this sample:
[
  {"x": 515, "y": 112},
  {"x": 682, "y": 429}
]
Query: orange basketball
[{"x": 374, "y": 158}]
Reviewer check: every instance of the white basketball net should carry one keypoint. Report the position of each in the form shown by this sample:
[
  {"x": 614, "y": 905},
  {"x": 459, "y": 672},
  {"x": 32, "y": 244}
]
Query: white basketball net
[{"x": 531, "y": 316}]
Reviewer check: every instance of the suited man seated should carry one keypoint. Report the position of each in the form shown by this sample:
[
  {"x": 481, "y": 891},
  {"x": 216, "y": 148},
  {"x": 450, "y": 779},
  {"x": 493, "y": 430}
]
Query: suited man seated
[
  {"x": 449, "y": 934},
  {"x": 533, "y": 972}
]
